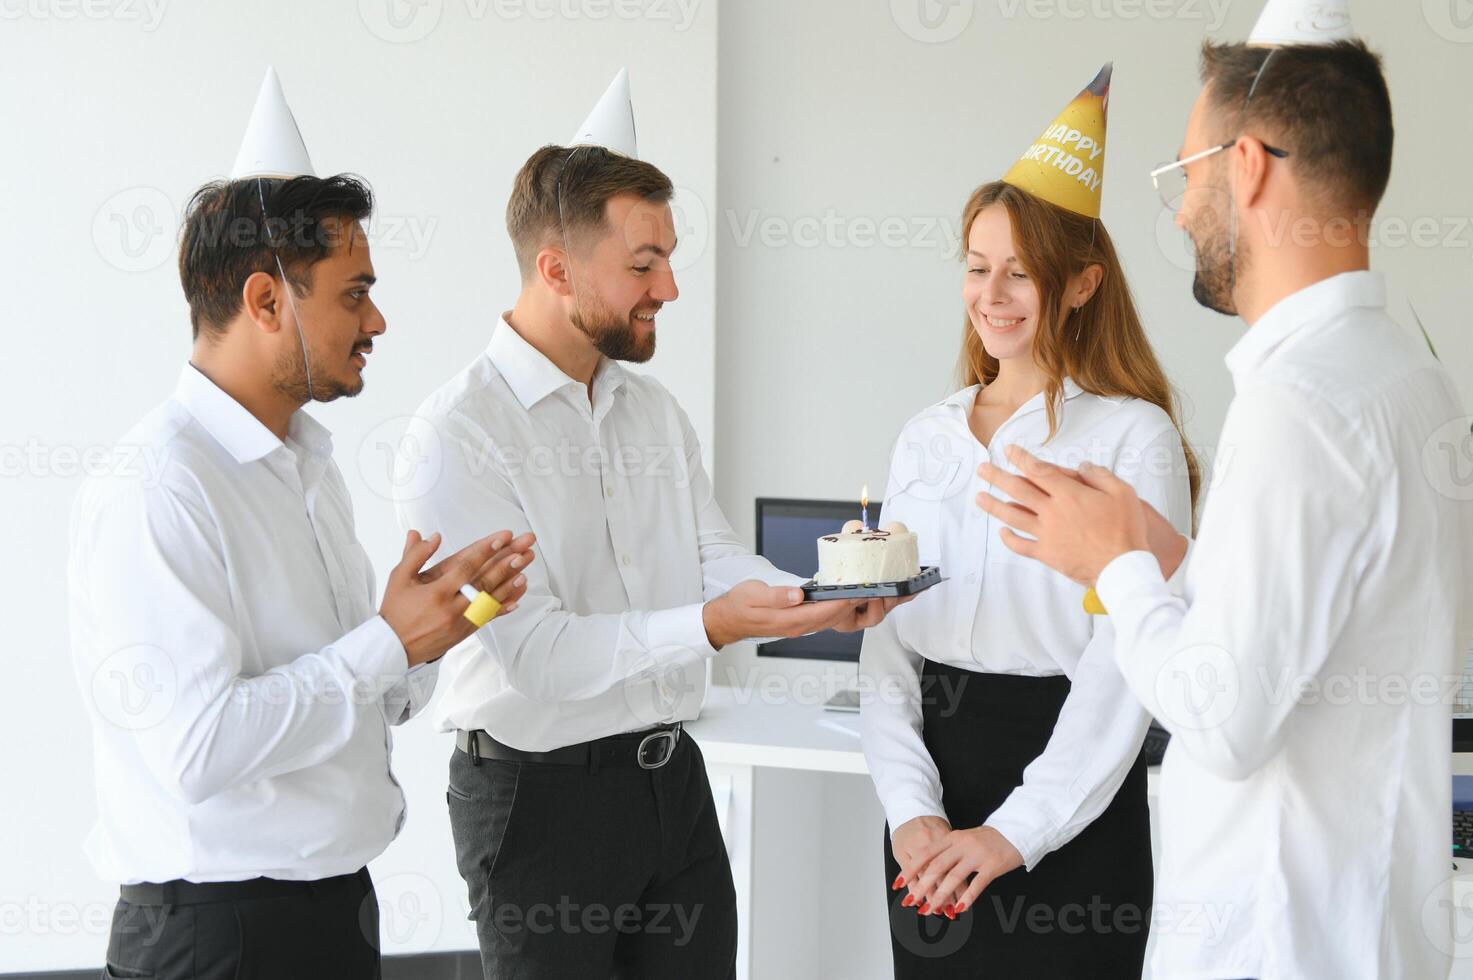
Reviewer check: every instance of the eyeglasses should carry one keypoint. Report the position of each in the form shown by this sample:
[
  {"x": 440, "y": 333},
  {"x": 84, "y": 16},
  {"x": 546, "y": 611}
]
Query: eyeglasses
[{"x": 1170, "y": 179}]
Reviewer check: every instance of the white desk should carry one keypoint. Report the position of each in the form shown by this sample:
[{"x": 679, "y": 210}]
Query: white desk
[
  {"x": 744, "y": 727},
  {"x": 806, "y": 860}
]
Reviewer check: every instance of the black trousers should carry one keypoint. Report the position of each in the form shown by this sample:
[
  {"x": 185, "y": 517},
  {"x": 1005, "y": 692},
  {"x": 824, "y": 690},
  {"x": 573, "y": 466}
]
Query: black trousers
[
  {"x": 1084, "y": 910},
  {"x": 261, "y": 929},
  {"x": 577, "y": 872}
]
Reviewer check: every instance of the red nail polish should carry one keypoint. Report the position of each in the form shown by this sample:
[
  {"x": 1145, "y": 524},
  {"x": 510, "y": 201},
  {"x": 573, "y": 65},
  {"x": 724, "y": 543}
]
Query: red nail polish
[
  {"x": 950, "y": 912},
  {"x": 961, "y": 907},
  {"x": 899, "y": 883},
  {"x": 908, "y": 901},
  {"x": 925, "y": 909}
]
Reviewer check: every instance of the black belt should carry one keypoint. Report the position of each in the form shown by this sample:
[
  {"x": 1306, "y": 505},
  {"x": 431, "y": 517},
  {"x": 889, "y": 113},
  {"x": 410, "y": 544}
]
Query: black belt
[
  {"x": 649, "y": 749},
  {"x": 181, "y": 892}
]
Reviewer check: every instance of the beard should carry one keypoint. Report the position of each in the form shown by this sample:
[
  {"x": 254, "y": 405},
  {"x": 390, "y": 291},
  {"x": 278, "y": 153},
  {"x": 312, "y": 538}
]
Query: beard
[
  {"x": 1212, "y": 286},
  {"x": 1218, "y": 260},
  {"x": 291, "y": 377},
  {"x": 615, "y": 337}
]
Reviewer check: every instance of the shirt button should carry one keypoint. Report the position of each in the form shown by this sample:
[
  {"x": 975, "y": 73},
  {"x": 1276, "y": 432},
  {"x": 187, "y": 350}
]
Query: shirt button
[
  {"x": 972, "y": 577},
  {"x": 608, "y": 491},
  {"x": 628, "y": 560}
]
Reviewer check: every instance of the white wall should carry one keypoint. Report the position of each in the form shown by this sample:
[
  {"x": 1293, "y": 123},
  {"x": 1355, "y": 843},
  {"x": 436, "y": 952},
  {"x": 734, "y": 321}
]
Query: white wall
[
  {"x": 839, "y": 120},
  {"x": 118, "y": 118}
]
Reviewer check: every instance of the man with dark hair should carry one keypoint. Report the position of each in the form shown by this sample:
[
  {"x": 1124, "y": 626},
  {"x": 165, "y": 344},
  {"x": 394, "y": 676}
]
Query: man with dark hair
[
  {"x": 1330, "y": 104},
  {"x": 583, "y": 818},
  {"x": 1304, "y": 673},
  {"x": 240, "y": 682}
]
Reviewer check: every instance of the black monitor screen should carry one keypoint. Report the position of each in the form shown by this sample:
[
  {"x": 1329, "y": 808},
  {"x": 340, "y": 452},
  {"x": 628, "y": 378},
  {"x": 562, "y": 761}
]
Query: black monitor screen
[{"x": 787, "y": 535}]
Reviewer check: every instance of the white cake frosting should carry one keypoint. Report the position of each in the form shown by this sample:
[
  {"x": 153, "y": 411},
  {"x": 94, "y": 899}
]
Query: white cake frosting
[{"x": 860, "y": 556}]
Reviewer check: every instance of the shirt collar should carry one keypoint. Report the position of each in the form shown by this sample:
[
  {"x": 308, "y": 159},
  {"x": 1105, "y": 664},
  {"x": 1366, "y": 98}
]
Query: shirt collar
[
  {"x": 963, "y": 399},
  {"x": 231, "y": 425},
  {"x": 1302, "y": 311},
  {"x": 531, "y": 374}
]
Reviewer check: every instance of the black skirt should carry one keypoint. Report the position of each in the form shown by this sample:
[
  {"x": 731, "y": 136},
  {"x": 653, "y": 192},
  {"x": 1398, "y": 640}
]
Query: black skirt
[{"x": 1084, "y": 911}]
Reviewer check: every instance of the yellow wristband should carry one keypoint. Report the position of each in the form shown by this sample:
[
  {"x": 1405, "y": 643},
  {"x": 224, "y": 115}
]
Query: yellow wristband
[
  {"x": 1093, "y": 605},
  {"x": 483, "y": 607}
]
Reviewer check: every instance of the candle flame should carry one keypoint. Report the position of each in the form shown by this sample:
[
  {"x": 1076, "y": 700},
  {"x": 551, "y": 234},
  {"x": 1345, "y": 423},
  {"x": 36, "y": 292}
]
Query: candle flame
[{"x": 864, "y": 497}]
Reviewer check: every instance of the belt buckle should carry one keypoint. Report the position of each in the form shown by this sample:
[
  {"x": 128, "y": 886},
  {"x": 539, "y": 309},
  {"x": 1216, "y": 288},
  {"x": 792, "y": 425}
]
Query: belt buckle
[{"x": 668, "y": 738}]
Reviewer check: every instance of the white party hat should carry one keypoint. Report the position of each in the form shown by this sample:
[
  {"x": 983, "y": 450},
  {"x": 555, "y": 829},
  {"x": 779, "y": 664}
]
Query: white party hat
[
  {"x": 273, "y": 145},
  {"x": 611, "y": 123},
  {"x": 1302, "y": 22}
]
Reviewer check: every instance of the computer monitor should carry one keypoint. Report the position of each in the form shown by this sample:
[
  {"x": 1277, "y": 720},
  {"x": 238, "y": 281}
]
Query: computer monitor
[{"x": 787, "y": 535}]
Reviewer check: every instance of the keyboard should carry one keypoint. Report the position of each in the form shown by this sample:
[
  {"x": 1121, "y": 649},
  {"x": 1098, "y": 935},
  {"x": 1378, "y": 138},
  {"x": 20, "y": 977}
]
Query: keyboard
[{"x": 1463, "y": 833}]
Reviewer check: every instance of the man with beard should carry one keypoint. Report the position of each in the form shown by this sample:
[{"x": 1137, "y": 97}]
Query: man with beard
[
  {"x": 1304, "y": 673},
  {"x": 240, "y": 682},
  {"x": 583, "y": 818}
]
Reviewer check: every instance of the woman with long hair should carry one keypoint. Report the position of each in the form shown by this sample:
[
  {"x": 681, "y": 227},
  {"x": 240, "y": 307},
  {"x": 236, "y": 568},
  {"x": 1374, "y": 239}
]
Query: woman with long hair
[{"x": 1002, "y": 740}]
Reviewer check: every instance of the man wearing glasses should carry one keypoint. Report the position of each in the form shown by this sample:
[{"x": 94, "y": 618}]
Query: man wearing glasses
[{"x": 1305, "y": 795}]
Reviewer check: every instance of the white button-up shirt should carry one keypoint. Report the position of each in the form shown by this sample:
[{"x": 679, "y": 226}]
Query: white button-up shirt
[
  {"x": 240, "y": 684},
  {"x": 1307, "y": 676},
  {"x": 630, "y": 545},
  {"x": 1001, "y": 613}
]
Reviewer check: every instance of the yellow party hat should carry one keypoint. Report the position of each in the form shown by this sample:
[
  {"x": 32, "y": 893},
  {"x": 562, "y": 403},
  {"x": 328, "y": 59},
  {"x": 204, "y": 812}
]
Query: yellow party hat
[{"x": 1066, "y": 165}]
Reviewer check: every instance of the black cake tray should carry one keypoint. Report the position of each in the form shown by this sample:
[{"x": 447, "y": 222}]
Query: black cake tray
[{"x": 929, "y": 576}]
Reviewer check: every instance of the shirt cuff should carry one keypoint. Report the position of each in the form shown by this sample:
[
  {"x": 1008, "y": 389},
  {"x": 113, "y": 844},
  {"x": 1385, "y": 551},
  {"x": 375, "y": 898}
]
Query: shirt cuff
[
  {"x": 681, "y": 627},
  {"x": 376, "y": 656},
  {"x": 1026, "y": 825},
  {"x": 421, "y": 680},
  {"x": 905, "y": 809},
  {"x": 1128, "y": 575}
]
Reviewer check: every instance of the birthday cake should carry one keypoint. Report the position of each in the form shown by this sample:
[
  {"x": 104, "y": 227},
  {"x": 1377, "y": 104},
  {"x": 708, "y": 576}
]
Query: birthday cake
[{"x": 860, "y": 556}]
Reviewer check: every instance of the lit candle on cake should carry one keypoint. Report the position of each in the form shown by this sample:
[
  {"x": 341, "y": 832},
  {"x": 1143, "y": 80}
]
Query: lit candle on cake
[{"x": 864, "y": 506}]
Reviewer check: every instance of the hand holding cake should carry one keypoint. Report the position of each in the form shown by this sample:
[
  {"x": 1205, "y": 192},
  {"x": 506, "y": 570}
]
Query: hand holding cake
[{"x": 755, "y": 609}]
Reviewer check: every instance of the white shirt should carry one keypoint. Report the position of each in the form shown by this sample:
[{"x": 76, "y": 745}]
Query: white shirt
[
  {"x": 1309, "y": 836},
  {"x": 630, "y": 544},
  {"x": 1001, "y": 613},
  {"x": 241, "y": 686}
]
